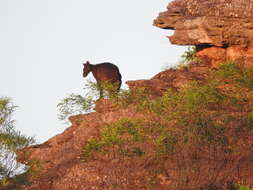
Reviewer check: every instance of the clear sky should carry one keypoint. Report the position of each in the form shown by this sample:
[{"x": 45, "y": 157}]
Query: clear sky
[{"x": 43, "y": 44}]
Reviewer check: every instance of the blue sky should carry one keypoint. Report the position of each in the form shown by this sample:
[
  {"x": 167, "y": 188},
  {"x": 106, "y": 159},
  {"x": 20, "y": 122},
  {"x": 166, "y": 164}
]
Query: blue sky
[{"x": 44, "y": 43}]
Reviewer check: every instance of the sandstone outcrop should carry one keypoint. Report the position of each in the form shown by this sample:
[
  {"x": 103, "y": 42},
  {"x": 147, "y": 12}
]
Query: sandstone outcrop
[
  {"x": 171, "y": 78},
  {"x": 62, "y": 166},
  {"x": 60, "y": 156},
  {"x": 61, "y": 160},
  {"x": 221, "y": 30},
  {"x": 225, "y": 26}
]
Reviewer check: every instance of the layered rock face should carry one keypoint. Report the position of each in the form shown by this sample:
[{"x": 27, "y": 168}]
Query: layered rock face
[
  {"x": 221, "y": 29},
  {"x": 60, "y": 156},
  {"x": 171, "y": 78},
  {"x": 62, "y": 166}
]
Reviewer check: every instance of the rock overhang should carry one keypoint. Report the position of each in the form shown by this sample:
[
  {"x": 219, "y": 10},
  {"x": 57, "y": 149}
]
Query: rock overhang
[{"x": 220, "y": 23}]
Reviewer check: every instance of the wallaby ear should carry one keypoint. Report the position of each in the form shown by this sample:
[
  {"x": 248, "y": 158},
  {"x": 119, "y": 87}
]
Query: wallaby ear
[{"x": 87, "y": 62}]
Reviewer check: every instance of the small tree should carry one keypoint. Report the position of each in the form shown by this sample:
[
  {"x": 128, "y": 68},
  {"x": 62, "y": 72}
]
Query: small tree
[
  {"x": 10, "y": 140},
  {"x": 77, "y": 104}
]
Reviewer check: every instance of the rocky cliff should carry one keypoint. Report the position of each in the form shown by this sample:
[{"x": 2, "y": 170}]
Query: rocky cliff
[
  {"x": 61, "y": 162},
  {"x": 221, "y": 30},
  {"x": 60, "y": 156}
]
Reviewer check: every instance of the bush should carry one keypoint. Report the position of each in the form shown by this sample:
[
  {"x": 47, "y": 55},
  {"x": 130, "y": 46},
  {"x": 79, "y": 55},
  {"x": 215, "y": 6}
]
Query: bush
[
  {"x": 242, "y": 187},
  {"x": 11, "y": 141},
  {"x": 21, "y": 180},
  {"x": 118, "y": 137},
  {"x": 76, "y": 104},
  {"x": 198, "y": 133},
  {"x": 189, "y": 56},
  {"x": 206, "y": 126}
]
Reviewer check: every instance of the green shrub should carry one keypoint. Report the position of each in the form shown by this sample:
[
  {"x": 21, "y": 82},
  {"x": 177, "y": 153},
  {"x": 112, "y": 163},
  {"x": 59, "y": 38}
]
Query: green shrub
[
  {"x": 189, "y": 56},
  {"x": 131, "y": 96},
  {"x": 242, "y": 187},
  {"x": 76, "y": 104},
  {"x": 166, "y": 143},
  {"x": 233, "y": 73},
  {"x": 116, "y": 135},
  {"x": 19, "y": 181},
  {"x": 11, "y": 141},
  {"x": 205, "y": 113},
  {"x": 92, "y": 145},
  {"x": 195, "y": 133}
]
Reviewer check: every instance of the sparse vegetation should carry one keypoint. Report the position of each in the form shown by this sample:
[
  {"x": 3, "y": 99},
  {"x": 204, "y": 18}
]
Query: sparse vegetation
[
  {"x": 117, "y": 137},
  {"x": 18, "y": 181},
  {"x": 242, "y": 187},
  {"x": 77, "y": 104},
  {"x": 11, "y": 141},
  {"x": 214, "y": 113},
  {"x": 198, "y": 132},
  {"x": 208, "y": 114},
  {"x": 190, "y": 55}
]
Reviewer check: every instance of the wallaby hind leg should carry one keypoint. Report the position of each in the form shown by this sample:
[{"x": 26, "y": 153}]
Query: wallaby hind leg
[{"x": 101, "y": 94}]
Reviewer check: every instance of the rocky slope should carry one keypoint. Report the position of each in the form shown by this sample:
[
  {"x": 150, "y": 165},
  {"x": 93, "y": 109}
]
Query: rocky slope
[
  {"x": 60, "y": 156},
  {"x": 221, "y": 30},
  {"x": 62, "y": 166}
]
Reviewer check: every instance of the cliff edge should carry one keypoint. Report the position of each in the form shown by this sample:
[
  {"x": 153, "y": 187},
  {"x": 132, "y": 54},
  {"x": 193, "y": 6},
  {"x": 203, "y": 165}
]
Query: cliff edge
[
  {"x": 130, "y": 147},
  {"x": 185, "y": 128}
]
